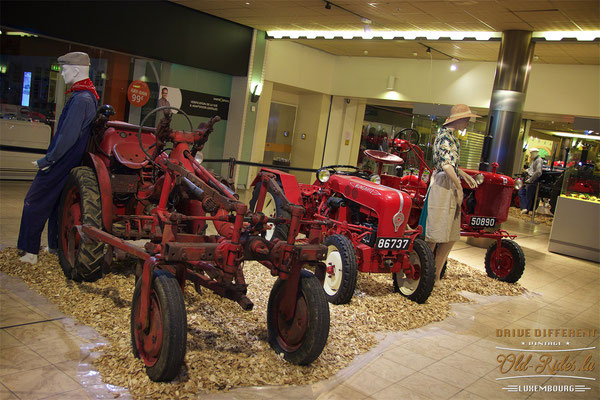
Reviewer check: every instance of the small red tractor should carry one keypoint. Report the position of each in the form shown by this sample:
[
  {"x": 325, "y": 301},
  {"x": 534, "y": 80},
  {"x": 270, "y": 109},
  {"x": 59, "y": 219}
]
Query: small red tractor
[
  {"x": 131, "y": 187},
  {"x": 482, "y": 208},
  {"x": 365, "y": 229}
]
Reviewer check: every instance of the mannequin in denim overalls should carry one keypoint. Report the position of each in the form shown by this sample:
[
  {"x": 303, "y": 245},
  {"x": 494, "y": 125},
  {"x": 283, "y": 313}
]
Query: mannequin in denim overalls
[{"x": 64, "y": 153}]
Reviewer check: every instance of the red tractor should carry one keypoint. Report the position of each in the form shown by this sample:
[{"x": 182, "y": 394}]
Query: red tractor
[
  {"x": 132, "y": 187},
  {"x": 364, "y": 228},
  {"x": 483, "y": 208}
]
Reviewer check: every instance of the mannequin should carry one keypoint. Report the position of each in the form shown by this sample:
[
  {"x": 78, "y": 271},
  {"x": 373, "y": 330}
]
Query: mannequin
[
  {"x": 64, "y": 153},
  {"x": 440, "y": 218}
]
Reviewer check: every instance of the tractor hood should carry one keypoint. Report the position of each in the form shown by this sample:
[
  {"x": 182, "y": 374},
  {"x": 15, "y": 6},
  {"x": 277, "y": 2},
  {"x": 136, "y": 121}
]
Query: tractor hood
[{"x": 391, "y": 206}]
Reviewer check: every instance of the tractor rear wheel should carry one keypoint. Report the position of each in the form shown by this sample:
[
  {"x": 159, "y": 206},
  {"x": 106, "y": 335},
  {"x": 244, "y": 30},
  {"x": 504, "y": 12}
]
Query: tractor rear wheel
[
  {"x": 505, "y": 264},
  {"x": 301, "y": 339},
  {"x": 80, "y": 204},
  {"x": 342, "y": 269},
  {"x": 162, "y": 346},
  {"x": 419, "y": 288}
]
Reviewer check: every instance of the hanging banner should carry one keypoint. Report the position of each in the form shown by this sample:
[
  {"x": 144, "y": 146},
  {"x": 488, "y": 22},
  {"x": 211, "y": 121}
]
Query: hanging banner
[{"x": 194, "y": 103}]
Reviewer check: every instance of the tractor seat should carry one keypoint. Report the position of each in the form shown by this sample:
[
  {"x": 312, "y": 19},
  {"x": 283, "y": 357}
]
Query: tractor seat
[
  {"x": 384, "y": 157},
  {"x": 130, "y": 155}
]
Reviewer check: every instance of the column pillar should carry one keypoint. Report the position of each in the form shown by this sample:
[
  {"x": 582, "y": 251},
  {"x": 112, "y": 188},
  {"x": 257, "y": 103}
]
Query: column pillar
[{"x": 508, "y": 99}]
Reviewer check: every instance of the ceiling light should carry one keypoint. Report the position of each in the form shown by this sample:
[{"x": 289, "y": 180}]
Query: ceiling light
[
  {"x": 373, "y": 4},
  {"x": 415, "y": 53},
  {"x": 560, "y": 35},
  {"x": 388, "y": 35},
  {"x": 453, "y": 66}
]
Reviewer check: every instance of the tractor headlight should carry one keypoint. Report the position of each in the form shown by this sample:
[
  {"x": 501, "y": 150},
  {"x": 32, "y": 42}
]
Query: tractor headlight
[
  {"x": 375, "y": 178},
  {"x": 479, "y": 179},
  {"x": 323, "y": 175},
  {"x": 199, "y": 157},
  {"x": 518, "y": 183}
]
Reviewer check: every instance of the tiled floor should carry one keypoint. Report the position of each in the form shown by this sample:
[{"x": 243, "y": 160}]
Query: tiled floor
[{"x": 43, "y": 354}]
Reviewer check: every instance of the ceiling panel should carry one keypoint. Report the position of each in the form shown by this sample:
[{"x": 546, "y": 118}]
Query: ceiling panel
[{"x": 466, "y": 15}]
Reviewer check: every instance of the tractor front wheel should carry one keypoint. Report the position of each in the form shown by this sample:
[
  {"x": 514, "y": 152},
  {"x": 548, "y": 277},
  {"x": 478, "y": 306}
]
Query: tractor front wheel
[
  {"x": 161, "y": 346},
  {"x": 419, "y": 287},
  {"x": 505, "y": 264},
  {"x": 80, "y": 204},
  {"x": 342, "y": 269},
  {"x": 302, "y": 338}
]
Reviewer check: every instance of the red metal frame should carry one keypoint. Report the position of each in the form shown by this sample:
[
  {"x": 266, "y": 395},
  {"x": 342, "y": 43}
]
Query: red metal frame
[
  {"x": 492, "y": 197},
  {"x": 386, "y": 205},
  {"x": 177, "y": 243}
]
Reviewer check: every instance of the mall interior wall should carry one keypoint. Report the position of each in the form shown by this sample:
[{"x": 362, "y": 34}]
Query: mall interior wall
[{"x": 553, "y": 88}]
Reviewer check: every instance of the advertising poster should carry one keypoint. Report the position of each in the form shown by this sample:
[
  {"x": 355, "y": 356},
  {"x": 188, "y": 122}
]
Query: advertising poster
[{"x": 194, "y": 103}]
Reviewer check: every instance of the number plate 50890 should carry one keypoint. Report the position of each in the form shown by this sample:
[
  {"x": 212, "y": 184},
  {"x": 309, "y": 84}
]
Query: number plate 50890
[{"x": 483, "y": 222}]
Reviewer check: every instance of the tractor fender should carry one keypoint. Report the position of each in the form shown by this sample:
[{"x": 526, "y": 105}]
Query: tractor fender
[
  {"x": 289, "y": 184},
  {"x": 98, "y": 166}
]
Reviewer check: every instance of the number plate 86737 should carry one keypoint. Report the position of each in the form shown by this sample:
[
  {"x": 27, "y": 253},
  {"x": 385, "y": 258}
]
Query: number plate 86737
[{"x": 392, "y": 243}]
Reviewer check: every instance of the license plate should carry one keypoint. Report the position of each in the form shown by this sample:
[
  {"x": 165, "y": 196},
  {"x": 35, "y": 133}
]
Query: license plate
[
  {"x": 392, "y": 243},
  {"x": 482, "y": 222}
]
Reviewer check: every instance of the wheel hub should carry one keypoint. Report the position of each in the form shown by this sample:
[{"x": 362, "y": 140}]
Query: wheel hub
[
  {"x": 502, "y": 262},
  {"x": 149, "y": 341},
  {"x": 291, "y": 332}
]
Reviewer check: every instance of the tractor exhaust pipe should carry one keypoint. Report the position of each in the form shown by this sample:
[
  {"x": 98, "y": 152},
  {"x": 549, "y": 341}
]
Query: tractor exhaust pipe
[{"x": 245, "y": 303}]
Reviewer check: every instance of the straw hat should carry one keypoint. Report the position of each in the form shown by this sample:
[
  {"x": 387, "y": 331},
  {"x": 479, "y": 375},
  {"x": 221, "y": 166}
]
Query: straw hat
[
  {"x": 459, "y": 111},
  {"x": 531, "y": 150}
]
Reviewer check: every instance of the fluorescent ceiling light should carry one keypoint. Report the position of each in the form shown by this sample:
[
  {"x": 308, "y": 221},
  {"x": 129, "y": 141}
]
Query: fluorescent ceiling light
[
  {"x": 429, "y": 35},
  {"x": 407, "y": 35},
  {"x": 560, "y": 35},
  {"x": 569, "y": 135}
]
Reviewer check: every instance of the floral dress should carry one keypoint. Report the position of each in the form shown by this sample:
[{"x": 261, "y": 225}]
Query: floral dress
[
  {"x": 446, "y": 150},
  {"x": 440, "y": 217}
]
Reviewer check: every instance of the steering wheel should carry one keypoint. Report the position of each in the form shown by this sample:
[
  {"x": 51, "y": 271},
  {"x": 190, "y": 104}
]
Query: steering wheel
[
  {"x": 411, "y": 135},
  {"x": 157, "y": 142},
  {"x": 335, "y": 169}
]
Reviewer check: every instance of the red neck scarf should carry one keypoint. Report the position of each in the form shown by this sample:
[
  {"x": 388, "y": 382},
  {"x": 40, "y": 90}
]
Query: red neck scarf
[{"x": 85, "y": 84}]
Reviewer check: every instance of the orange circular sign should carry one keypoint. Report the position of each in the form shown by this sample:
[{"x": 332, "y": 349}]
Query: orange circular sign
[{"x": 138, "y": 93}]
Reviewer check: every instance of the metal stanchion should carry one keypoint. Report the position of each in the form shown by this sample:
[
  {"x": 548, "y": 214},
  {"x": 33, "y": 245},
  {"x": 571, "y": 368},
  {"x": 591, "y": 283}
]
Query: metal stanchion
[{"x": 533, "y": 208}]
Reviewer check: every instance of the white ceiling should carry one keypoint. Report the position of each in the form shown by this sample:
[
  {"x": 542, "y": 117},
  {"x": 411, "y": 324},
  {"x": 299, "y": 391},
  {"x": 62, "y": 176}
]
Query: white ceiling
[{"x": 458, "y": 15}]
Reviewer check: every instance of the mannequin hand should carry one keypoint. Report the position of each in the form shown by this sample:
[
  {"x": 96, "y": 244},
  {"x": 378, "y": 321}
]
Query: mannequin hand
[
  {"x": 38, "y": 166},
  {"x": 470, "y": 181}
]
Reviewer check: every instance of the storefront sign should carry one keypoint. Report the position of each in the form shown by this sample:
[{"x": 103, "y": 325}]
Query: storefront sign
[
  {"x": 138, "y": 93},
  {"x": 194, "y": 103}
]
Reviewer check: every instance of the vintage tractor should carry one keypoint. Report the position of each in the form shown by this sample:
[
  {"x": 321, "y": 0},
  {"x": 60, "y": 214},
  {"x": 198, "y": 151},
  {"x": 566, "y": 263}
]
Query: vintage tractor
[
  {"x": 364, "y": 228},
  {"x": 131, "y": 187},
  {"x": 483, "y": 208}
]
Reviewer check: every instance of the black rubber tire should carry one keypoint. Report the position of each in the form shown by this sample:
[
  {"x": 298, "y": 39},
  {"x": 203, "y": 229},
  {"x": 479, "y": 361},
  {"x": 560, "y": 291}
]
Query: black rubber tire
[
  {"x": 314, "y": 339},
  {"x": 281, "y": 230},
  {"x": 168, "y": 293},
  {"x": 349, "y": 269},
  {"x": 427, "y": 269},
  {"x": 518, "y": 261},
  {"x": 87, "y": 265}
]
